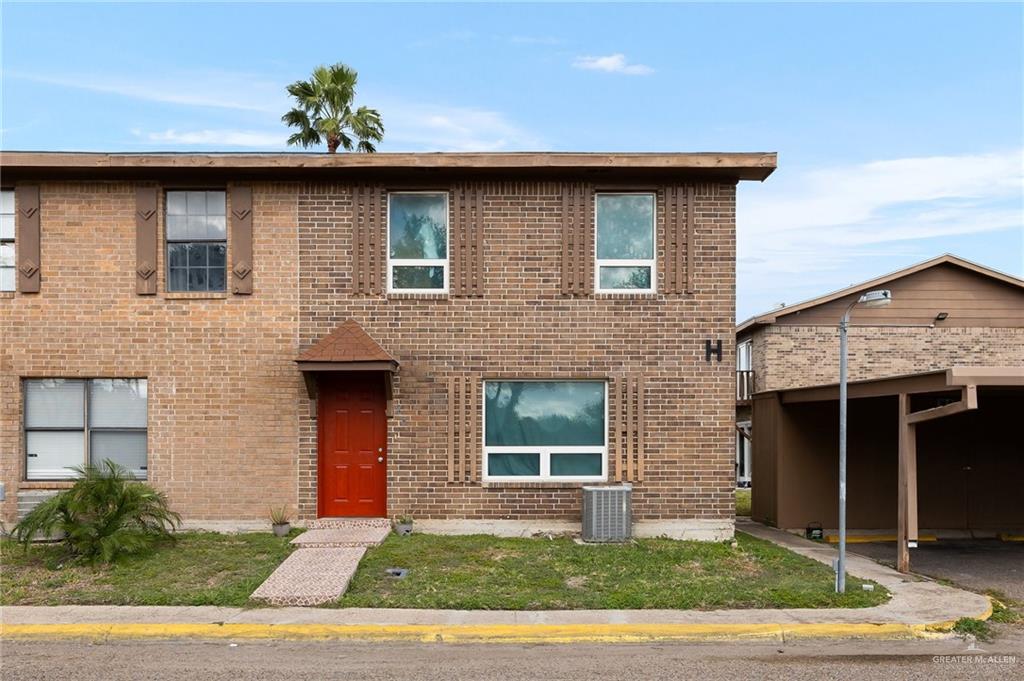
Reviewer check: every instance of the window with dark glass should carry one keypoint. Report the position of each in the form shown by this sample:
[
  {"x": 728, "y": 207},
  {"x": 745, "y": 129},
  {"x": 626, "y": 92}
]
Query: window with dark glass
[
  {"x": 196, "y": 241},
  {"x": 545, "y": 430},
  {"x": 7, "y": 271},
  {"x": 70, "y": 422},
  {"x": 418, "y": 242},
  {"x": 625, "y": 243}
]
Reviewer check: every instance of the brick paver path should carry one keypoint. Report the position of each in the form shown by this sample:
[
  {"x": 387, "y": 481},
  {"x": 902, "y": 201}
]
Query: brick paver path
[{"x": 322, "y": 566}]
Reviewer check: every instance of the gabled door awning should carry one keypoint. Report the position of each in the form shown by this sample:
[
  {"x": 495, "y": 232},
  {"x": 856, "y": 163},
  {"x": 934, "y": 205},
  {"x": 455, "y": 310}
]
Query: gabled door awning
[{"x": 347, "y": 348}]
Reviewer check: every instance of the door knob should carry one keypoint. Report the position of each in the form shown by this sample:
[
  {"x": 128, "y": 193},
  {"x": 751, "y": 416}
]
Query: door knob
[{"x": 380, "y": 459}]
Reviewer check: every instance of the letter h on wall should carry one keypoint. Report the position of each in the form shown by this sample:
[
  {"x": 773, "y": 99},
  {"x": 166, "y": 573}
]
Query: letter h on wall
[{"x": 715, "y": 349}]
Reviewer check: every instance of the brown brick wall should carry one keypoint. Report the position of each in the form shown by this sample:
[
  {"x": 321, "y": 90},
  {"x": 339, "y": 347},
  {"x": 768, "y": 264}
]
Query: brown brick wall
[
  {"x": 523, "y": 327},
  {"x": 800, "y": 356},
  {"x": 231, "y": 429},
  {"x": 223, "y": 391}
]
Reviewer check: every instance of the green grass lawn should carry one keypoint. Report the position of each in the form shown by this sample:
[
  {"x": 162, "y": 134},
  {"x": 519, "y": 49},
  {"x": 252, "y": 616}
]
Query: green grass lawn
[
  {"x": 485, "y": 572},
  {"x": 743, "y": 502},
  {"x": 199, "y": 568}
]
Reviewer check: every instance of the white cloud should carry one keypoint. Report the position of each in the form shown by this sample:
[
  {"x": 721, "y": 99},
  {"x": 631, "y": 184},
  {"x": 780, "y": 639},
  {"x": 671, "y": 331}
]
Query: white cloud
[
  {"x": 415, "y": 126},
  {"x": 211, "y": 89},
  {"x": 612, "y": 63},
  {"x": 217, "y": 138},
  {"x": 409, "y": 125},
  {"x": 802, "y": 231}
]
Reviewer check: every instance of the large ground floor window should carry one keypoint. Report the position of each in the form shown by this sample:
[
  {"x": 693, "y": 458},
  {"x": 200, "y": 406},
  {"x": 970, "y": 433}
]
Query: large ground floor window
[
  {"x": 545, "y": 430},
  {"x": 72, "y": 422}
]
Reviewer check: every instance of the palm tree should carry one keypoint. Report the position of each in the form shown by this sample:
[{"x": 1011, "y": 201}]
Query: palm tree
[{"x": 324, "y": 112}]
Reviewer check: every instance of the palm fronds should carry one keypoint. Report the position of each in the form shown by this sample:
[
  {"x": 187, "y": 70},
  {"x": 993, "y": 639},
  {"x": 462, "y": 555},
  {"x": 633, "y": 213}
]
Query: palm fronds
[
  {"x": 323, "y": 112},
  {"x": 104, "y": 515}
]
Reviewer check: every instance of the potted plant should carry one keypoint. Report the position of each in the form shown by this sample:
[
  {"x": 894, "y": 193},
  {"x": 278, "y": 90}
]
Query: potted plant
[
  {"x": 281, "y": 520},
  {"x": 403, "y": 525}
]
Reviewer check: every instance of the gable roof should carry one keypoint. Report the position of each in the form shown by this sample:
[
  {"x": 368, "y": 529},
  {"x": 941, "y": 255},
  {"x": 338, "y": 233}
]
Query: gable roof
[
  {"x": 945, "y": 259},
  {"x": 346, "y": 344}
]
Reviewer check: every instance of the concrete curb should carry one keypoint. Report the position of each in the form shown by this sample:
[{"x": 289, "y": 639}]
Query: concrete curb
[
  {"x": 470, "y": 633},
  {"x": 455, "y": 626}
]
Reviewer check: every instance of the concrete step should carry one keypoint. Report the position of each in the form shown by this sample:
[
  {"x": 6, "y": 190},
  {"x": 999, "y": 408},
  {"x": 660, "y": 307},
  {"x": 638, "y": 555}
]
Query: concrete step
[
  {"x": 346, "y": 523},
  {"x": 342, "y": 537}
]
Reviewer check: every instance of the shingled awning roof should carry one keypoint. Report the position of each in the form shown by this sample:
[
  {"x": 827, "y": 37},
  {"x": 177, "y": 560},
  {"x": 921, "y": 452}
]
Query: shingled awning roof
[{"x": 347, "y": 348}]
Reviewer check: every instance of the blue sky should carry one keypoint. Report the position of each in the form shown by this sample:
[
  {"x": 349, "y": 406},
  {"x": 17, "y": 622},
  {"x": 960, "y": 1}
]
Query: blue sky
[{"x": 899, "y": 128}]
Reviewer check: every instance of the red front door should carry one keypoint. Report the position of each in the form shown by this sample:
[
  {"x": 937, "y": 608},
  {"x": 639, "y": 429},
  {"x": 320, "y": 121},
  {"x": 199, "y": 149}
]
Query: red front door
[{"x": 353, "y": 445}]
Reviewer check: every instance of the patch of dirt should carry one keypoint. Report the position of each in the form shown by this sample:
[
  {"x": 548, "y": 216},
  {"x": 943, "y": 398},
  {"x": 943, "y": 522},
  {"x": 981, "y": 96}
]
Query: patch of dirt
[
  {"x": 744, "y": 565},
  {"x": 501, "y": 554},
  {"x": 577, "y": 581},
  {"x": 693, "y": 567}
]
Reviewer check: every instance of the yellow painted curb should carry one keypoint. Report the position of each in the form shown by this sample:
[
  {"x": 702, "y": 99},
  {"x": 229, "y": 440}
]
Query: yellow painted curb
[
  {"x": 483, "y": 633},
  {"x": 1011, "y": 537},
  {"x": 870, "y": 538},
  {"x": 515, "y": 633}
]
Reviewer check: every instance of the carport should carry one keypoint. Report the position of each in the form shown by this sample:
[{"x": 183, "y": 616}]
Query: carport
[{"x": 940, "y": 450}]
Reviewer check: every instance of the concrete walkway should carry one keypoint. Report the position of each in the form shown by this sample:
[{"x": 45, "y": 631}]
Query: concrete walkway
[
  {"x": 918, "y": 608},
  {"x": 323, "y": 564}
]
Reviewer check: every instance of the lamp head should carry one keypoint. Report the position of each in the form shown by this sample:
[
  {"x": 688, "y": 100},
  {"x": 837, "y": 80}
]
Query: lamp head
[{"x": 879, "y": 298}]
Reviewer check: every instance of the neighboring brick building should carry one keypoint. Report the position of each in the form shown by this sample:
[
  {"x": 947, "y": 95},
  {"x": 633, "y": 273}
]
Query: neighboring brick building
[
  {"x": 798, "y": 345},
  {"x": 949, "y": 318},
  {"x": 478, "y": 335}
]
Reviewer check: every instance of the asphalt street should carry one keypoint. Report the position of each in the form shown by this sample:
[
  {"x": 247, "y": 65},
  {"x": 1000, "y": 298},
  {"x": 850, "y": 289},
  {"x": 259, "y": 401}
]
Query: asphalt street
[{"x": 281, "y": 660}]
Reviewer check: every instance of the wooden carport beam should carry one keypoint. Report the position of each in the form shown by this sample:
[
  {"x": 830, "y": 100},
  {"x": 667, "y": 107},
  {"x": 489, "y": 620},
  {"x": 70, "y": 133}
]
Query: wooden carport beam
[
  {"x": 968, "y": 400},
  {"x": 907, "y": 530}
]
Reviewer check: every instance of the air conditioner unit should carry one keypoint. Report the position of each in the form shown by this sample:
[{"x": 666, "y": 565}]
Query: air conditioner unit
[{"x": 607, "y": 513}]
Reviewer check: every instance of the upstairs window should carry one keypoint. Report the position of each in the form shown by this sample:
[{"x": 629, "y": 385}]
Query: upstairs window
[
  {"x": 418, "y": 242},
  {"x": 7, "y": 276},
  {"x": 196, "y": 241},
  {"x": 545, "y": 430},
  {"x": 743, "y": 356},
  {"x": 71, "y": 422},
  {"x": 625, "y": 243}
]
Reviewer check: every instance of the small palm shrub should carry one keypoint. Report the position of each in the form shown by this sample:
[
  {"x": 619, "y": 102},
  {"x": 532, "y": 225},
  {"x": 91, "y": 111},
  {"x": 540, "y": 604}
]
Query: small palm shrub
[{"x": 105, "y": 515}]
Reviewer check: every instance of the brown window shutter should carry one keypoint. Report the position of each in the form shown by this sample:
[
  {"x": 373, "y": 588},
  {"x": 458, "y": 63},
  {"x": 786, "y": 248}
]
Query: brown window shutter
[
  {"x": 679, "y": 238},
  {"x": 367, "y": 223},
  {"x": 691, "y": 236},
  {"x": 240, "y": 200},
  {"x": 466, "y": 254},
  {"x": 145, "y": 240},
  {"x": 577, "y": 239},
  {"x": 26, "y": 240},
  {"x": 628, "y": 397},
  {"x": 464, "y": 439}
]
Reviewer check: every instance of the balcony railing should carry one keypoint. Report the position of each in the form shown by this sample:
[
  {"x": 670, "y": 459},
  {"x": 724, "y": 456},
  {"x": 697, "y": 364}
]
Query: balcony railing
[{"x": 744, "y": 384}]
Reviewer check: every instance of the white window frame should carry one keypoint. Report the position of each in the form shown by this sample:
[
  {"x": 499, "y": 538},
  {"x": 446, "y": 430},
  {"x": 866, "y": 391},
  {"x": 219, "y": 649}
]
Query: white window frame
[
  {"x": 651, "y": 262},
  {"x": 12, "y": 242},
  {"x": 544, "y": 452},
  {"x": 745, "y": 350},
  {"x": 743, "y": 454},
  {"x": 415, "y": 262}
]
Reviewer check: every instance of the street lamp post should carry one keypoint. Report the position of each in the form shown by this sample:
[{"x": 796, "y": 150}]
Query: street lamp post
[{"x": 879, "y": 298}]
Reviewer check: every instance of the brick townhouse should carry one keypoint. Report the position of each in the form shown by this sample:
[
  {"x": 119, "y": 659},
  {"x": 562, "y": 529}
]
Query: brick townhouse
[{"x": 464, "y": 338}]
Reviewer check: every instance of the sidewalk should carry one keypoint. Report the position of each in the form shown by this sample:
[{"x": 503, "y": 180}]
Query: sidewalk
[{"x": 919, "y": 608}]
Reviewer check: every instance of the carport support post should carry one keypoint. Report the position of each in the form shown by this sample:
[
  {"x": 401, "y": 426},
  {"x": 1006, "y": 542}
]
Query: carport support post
[
  {"x": 841, "y": 564},
  {"x": 906, "y": 530}
]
